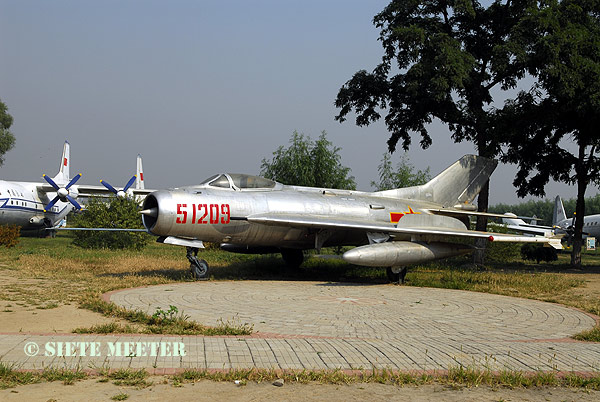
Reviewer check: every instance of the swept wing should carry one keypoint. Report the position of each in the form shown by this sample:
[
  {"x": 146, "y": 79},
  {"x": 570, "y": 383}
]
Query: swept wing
[{"x": 328, "y": 222}]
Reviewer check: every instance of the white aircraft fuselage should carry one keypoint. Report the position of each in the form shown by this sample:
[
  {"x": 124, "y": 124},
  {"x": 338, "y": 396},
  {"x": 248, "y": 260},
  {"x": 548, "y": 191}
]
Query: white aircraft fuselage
[
  {"x": 21, "y": 204},
  {"x": 591, "y": 225}
]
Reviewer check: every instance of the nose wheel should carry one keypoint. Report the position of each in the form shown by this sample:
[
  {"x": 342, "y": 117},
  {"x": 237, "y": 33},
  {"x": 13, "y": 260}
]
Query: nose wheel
[{"x": 198, "y": 266}]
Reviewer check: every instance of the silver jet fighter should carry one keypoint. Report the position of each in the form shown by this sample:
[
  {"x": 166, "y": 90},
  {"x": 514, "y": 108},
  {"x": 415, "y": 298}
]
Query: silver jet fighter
[{"x": 391, "y": 228}]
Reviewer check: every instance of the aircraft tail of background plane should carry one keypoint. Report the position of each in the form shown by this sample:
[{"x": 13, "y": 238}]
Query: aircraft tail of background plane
[
  {"x": 558, "y": 213},
  {"x": 456, "y": 186},
  {"x": 139, "y": 180},
  {"x": 63, "y": 175}
]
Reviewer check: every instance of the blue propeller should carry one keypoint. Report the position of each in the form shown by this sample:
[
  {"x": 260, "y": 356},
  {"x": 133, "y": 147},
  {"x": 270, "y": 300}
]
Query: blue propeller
[
  {"x": 119, "y": 193},
  {"x": 62, "y": 193}
]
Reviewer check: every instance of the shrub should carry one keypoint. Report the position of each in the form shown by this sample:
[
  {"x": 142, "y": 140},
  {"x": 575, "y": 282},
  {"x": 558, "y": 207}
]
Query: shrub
[
  {"x": 502, "y": 252},
  {"x": 538, "y": 253},
  {"x": 120, "y": 213},
  {"x": 9, "y": 235}
]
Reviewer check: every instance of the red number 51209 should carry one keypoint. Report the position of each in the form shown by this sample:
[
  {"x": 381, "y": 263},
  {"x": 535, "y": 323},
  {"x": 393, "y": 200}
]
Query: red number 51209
[{"x": 204, "y": 214}]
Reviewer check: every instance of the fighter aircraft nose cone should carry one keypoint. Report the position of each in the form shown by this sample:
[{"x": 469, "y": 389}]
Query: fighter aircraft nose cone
[{"x": 150, "y": 212}]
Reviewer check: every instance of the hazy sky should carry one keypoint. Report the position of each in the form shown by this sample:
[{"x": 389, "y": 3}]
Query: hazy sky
[{"x": 195, "y": 87}]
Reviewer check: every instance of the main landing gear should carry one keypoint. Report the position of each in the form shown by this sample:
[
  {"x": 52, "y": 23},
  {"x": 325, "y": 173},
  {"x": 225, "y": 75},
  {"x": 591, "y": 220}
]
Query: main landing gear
[
  {"x": 293, "y": 258},
  {"x": 198, "y": 266},
  {"x": 396, "y": 274}
]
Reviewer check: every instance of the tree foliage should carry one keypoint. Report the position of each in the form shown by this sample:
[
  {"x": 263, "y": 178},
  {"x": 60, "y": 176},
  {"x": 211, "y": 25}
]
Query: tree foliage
[
  {"x": 308, "y": 163},
  {"x": 441, "y": 60},
  {"x": 403, "y": 176},
  {"x": 563, "y": 52},
  {"x": 7, "y": 139},
  {"x": 118, "y": 213},
  {"x": 445, "y": 60}
]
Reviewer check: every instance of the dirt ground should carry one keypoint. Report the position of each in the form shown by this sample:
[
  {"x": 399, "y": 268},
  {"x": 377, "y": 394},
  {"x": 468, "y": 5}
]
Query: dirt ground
[
  {"x": 61, "y": 319},
  {"x": 92, "y": 390},
  {"x": 43, "y": 318}
]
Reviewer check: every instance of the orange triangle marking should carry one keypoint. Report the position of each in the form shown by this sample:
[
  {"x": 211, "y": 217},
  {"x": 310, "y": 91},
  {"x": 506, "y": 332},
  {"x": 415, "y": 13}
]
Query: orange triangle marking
[
  {"x": 395, "y": 216},
  {"x": 411, "y": 212}
]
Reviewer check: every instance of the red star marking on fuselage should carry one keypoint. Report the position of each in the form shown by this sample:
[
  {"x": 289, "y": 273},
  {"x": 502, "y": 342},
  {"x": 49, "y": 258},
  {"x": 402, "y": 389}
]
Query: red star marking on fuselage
[{"x": 396, "y": 216}]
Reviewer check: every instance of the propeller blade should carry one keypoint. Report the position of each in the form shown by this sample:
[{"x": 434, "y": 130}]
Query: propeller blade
[
  {"x": 129, "y": 183},
  {"x": 50, "y": 181},
  {"x": 51, "y": 204},
  {"x": 73, "y": 180},
  {"x": 108, "y": 186},
  {"x": 72, "y": 201}
]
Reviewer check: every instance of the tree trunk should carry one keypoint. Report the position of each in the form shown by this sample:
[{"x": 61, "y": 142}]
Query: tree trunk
[
  {"x": 482, "y": 206},
  {"x": 579, "y": 215},
  {"x": 582, "y": 179}
]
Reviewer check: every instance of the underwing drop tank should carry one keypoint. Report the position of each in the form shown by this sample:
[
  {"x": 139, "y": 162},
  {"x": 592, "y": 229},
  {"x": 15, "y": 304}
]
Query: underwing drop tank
[{"x": 400, "y": 253}]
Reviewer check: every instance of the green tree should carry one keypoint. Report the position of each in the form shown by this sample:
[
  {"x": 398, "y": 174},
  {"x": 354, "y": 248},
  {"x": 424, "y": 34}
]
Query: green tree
[
  {"x": 308, "y": 163},
  {"x": 119, "y": 213},
  {"x": 403, "y": 176},
  {"x": 442, "y": 60},
  {"x": 563, "y": 49},
  {"x": 7, "y": 139}
]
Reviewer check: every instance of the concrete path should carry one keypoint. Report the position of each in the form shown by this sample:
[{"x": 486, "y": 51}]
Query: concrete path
[{"x": 312, "y": 325}]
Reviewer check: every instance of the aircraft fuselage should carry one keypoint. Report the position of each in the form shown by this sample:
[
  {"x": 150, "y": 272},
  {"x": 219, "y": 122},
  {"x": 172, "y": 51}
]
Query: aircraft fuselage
[
  {"x": 217, "y": 215},
  {"x": 21, "y": 205},
  {"x": 591, "y": 225}
]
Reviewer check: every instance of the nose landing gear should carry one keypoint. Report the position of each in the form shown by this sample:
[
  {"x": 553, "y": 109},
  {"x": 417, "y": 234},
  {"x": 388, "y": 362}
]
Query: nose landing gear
[{"x": 198, "y": 266}]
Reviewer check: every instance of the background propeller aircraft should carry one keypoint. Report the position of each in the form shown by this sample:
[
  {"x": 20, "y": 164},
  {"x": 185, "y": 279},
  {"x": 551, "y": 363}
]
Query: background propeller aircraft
[
  {"x": 41, "y": 206},
  {"x": 138, "y": 179},
  {"x": 561, "y": 225},
  {"x": 391, "y": 228}
]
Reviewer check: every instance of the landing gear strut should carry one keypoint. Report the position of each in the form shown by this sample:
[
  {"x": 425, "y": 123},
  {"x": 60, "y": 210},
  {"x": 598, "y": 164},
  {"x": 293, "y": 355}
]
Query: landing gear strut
[
  {"x": 198, "y": 266},
  {"x": 293, "y": 257},
  {"x": 396, "y": 274}
]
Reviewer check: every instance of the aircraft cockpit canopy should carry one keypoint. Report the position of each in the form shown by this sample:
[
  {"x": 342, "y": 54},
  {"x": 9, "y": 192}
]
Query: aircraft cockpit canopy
[{"x": 237, "y": 181}]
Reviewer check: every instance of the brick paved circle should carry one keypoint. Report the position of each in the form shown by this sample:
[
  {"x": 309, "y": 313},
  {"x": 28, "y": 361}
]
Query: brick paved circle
[
  {"x": 313, "y": 326},
  {"x": 361, "y": 311}
]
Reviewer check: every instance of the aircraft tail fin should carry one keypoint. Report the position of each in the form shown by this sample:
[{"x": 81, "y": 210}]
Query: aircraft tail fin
[
  {"x": 139, "y": 180},
  {"x": 558, "y": 214},
  {"x": 459, "y": 184},
  {"x": 63, "y": 176}
]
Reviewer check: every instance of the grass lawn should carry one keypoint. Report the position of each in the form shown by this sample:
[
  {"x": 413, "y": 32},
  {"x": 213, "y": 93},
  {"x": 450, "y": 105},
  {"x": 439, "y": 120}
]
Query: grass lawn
[{"x": 53, "y": 272}]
